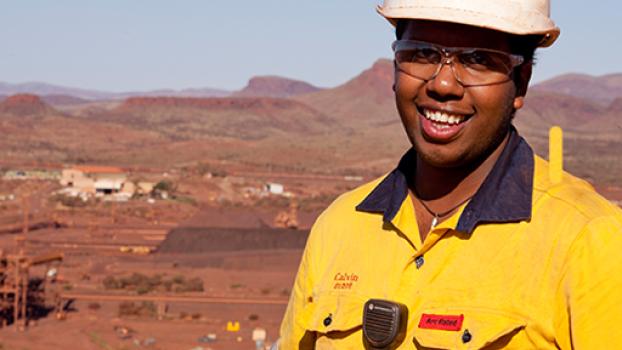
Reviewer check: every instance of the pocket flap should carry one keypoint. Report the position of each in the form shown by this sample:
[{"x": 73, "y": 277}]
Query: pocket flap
[
  {"x": 329, "y": 312},
  {"x": 464, "y": 328}
]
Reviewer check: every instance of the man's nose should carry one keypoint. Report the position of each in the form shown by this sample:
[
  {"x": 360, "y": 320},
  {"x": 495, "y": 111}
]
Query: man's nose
[{"x": 445, "y": 86}]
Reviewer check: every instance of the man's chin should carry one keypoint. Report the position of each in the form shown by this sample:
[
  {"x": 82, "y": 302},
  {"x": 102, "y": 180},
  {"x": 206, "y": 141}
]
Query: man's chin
[{"x": 440, "y": 156}]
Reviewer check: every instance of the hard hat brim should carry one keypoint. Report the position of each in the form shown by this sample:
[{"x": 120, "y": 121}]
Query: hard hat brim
[{"x": 537, "y": 24}]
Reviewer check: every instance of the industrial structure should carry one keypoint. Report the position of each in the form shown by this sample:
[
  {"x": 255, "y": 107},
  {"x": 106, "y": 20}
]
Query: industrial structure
[{"x": 24, "y": 294}]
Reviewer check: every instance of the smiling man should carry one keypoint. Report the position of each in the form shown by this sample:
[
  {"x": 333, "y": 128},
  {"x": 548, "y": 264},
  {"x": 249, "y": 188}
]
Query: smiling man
[{"x": 468, "y": 243}]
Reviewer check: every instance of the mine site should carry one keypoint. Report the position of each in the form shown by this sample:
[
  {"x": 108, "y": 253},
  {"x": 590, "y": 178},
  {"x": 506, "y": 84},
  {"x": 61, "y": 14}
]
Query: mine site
[
  {"x": 176, "y": 219},
  {"x": 160, "y": 267},
  {"x": 177, "y": 228}
]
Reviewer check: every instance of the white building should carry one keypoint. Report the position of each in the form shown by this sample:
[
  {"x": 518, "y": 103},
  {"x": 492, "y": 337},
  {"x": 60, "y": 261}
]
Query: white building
[
  {"x": 94, "y": 179},
  {"x": 274, "y": 188}
]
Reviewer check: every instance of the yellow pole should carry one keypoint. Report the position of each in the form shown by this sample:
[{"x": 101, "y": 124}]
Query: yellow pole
[{"x": 556, "y": 154}]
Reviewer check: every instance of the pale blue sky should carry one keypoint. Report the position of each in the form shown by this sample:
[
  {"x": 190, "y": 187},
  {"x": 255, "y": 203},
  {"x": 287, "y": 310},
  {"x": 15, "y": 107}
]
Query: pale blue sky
[{"x": 122, "y": 45}]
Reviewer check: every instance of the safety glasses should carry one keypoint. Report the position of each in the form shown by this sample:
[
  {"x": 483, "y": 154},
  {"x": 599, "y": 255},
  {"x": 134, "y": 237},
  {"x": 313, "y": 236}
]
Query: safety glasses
[{"x": 471, "y": 66}]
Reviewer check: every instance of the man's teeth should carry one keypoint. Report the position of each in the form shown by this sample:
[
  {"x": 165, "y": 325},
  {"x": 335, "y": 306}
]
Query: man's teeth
[{"x": 442, "y": 117}]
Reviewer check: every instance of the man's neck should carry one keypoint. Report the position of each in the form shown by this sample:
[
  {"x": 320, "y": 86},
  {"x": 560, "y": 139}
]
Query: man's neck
[{"x": 442, "y": 187}]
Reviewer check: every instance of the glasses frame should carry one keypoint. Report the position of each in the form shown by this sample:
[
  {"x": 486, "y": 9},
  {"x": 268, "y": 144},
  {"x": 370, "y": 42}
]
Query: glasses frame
[{"x": 448, "y": 56}]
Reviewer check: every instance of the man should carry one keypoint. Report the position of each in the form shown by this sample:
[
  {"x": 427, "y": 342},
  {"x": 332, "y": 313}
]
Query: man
[{"x": 469, "y": 233}]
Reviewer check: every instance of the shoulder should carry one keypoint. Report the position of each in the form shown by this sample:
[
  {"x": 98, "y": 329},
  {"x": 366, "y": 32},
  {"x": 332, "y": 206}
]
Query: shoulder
[
  {"x": 333, "y": 229},
  {"x": 580, "y": 221},
  {"x": 571, "y": 196},
  {"x": 343, "y": 208},
  {"x": 338, "y": 221}
]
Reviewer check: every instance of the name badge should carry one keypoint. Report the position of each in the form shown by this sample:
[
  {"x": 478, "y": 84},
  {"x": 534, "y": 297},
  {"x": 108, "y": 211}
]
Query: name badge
[{"x": 441, "y": 322}]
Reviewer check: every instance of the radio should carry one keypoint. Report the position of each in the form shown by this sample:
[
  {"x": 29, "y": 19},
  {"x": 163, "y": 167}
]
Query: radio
[{"x": 384, "y": 324}]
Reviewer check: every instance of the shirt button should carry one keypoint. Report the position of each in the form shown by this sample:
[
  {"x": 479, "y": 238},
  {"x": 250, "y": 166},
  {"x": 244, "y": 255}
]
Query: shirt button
[
  {"x": 328, "y": 320},
  {"x": 419, "y": 261},
  {"x": 466, "y": 336}
]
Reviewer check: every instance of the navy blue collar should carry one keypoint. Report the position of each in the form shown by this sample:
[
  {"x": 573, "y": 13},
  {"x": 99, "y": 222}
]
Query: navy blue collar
[{"x": 504, "y": 196}]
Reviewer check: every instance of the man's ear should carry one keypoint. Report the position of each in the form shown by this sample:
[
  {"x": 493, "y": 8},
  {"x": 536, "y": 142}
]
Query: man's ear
[{"x": 521, "y": 79}]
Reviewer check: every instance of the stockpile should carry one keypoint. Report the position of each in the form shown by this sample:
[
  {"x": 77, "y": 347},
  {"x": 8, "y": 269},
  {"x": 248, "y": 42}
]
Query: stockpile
[{"x": 196, "y": 240}]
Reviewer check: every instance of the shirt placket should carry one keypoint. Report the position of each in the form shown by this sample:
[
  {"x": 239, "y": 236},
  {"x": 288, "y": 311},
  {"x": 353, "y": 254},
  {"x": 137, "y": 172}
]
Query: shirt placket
[{"x": 416, "y": 274}]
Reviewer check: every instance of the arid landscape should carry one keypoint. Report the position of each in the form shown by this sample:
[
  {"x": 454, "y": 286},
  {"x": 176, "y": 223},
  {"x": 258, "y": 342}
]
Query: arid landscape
[{"x": 180, "y": 216}]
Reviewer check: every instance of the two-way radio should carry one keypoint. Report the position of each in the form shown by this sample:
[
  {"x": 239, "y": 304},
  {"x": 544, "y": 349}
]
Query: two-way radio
[{"x": 384, "y": 324}]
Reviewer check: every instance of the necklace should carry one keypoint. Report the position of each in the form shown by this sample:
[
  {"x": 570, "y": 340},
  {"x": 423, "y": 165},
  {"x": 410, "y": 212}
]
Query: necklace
[{"x": 436, "y": 215}]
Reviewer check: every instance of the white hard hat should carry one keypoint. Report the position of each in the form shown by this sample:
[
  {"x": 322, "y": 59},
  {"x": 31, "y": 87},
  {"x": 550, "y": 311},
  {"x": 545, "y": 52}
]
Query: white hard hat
[{"x": 521, "y": 17}]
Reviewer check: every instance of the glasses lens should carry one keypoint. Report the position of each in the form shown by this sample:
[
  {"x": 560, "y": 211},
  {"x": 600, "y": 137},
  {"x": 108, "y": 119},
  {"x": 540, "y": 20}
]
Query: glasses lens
[
  {"x": 483, "y": 66},
  {"x": 421, "y": 62},
  {"x": 483, "y": 60}
]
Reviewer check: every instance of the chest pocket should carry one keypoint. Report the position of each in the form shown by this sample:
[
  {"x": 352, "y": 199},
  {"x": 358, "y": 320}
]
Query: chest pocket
[
  {"x": 336, "y": 319},
  {"x": 481, "y": 329}
]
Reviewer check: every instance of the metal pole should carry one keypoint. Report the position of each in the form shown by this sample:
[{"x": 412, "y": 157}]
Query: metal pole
[
  {"x": 25, "y": 282},
  {"x": 16, "y": 293},
  {"x": 556, "y": 154}
]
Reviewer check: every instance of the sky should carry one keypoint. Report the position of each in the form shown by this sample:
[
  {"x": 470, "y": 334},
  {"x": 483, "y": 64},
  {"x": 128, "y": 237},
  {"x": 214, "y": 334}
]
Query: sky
[{"x": 129, "y": 45}]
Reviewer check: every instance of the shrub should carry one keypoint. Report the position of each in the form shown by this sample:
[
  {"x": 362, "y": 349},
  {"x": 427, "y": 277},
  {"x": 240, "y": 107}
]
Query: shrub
[
  {"x": 143, "y": 289},
  {"x": 69, "y": 201},
  {"x": 167, "y": 285},
  {"x": 144, "y": 309},
  {"x": 143, "y": 284},
  {"x": 111, "y": 283},
  {"x": 164, "y": 186},
  {"x": 191, "y": 285}
]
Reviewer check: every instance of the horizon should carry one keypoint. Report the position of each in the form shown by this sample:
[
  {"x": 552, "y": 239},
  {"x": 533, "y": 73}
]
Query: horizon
[
  {"x": 150, "y": 45},
  {"x": 156, "y": 89}
]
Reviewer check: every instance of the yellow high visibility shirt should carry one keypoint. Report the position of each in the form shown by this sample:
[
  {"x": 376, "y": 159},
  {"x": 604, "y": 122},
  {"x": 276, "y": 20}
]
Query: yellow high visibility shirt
[{"x": 526, "y": 264}]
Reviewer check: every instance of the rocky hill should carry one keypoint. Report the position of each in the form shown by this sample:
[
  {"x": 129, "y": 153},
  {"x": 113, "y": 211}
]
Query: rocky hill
[
  {"x": 63, "y": 100},
  {"x": 603, "y": 89},
  {"x": 199, "y": 118},
  {"x": 44, "y": 89},
  {"x": 352, "y": 128},
  {"x": 615, "y": 107},
  {"x": 366, "y": 98},
  {"x": 272, "y": 86},
  {"x": 24, "y": 105}
]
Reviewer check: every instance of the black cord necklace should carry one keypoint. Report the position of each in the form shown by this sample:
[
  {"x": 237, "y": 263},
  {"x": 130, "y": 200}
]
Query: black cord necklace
[{"x": 436, "y": 216}]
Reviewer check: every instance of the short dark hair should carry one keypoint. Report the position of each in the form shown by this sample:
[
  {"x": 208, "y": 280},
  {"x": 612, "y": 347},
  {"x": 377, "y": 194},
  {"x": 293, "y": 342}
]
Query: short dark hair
[
  {"x": 524, "y": 45},
  {"x": 400, "y": 28}
]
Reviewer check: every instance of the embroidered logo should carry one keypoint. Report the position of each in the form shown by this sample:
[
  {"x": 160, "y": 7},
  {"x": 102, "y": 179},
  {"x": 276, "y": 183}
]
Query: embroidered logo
[
  {"x": 441, "y": 322},
  {"x": 344, "y": 280}
]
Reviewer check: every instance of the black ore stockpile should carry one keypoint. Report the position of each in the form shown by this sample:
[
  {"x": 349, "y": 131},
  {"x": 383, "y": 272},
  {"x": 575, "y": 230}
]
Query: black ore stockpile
[{"x": 203, "y": 240}]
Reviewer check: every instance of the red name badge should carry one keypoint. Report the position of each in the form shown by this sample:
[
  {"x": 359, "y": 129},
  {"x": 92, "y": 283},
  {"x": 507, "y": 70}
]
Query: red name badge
[{"x": 441, "y": 322}]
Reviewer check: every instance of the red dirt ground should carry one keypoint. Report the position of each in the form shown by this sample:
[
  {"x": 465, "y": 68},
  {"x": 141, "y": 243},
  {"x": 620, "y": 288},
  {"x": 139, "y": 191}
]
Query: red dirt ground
[{"x": 91, "y": 241}]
